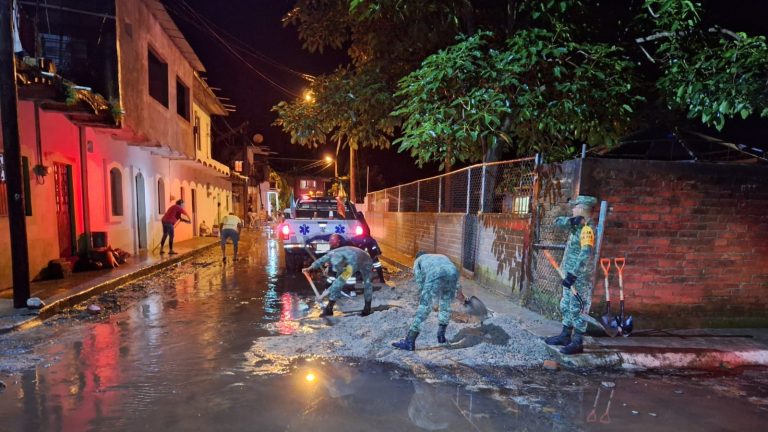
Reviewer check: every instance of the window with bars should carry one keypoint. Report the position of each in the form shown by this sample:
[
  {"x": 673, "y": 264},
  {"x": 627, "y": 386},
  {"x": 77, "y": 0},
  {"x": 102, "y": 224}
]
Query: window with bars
[{"x": 116, "y": 191}]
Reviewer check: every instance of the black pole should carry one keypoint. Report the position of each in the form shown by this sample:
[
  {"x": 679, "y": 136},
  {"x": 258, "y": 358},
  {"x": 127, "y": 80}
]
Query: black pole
[{"x": 12, "y": 148}]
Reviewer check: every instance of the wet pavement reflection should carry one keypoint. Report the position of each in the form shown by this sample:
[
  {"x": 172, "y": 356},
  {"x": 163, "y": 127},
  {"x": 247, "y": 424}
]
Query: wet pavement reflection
[{"x": 179, "y": 358}]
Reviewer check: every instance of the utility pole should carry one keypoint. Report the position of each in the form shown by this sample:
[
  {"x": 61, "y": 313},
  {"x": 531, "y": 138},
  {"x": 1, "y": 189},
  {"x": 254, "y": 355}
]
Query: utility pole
[
  {"x": 12, "y": 148},
  {"x": 247, "y": 173}
]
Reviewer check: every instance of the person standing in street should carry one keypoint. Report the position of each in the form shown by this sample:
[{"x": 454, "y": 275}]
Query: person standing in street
[
  {"x": 230, "y": 229},
  {"x": 346, "y": 261},
  {"x": 577, "y": 266},
  {"x": 437, "y": 278},
  {"x": 172, "y": 216}
]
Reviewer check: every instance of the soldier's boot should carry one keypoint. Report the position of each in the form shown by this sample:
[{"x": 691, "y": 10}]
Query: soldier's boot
[
  {"x": 441, "y": 333},
  {"x": 409, "y": 343},
  {"x": 328, "y": 310},
  {"x": 564, "y": 338},
  {"x": 576, "y": 346},
  {"x": 366, "y": 309}
]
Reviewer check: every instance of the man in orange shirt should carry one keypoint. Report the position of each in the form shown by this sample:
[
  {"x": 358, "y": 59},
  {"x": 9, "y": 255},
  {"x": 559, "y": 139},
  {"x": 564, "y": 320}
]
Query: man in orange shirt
[{"x": 171, "y": 217}]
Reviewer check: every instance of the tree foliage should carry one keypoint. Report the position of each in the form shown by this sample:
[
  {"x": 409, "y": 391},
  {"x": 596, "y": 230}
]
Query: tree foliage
[{"x": 462, "y": 77}]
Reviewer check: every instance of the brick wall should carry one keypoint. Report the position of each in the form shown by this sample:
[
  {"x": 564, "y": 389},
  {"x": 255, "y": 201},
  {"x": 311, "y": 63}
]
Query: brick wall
[{"x": 695, "y": 237}]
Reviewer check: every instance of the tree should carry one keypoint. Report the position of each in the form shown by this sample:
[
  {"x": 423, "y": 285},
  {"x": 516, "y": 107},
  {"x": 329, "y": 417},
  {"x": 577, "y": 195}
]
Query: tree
[
  {"x": 350, "y": 109},
  {"x": 470, "y": 79}
]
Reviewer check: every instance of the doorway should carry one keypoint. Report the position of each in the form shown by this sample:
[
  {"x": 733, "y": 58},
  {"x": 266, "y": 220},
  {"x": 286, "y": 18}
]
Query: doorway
[
  {"x": 65, "y": 218},
  {"x": 141, "y": 212}
]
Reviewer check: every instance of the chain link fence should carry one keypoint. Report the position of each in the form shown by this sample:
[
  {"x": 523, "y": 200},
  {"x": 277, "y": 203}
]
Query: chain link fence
[{"x": 496, "y": 187}]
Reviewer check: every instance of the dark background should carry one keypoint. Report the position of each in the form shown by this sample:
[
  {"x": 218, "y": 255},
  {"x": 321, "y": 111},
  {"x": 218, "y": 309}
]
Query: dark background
[{"x": 258, "y": 23}]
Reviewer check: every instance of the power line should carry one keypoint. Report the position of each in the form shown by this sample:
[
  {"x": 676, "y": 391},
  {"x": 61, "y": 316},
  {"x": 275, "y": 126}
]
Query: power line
[{"x": 234, "y": 52}]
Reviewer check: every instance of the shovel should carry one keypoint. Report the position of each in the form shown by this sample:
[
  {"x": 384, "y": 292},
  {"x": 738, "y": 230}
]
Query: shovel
[
  {"x": 607, "y": 329},
  {"x": 625, "y": 325},
  {"x": 318, "y": 297},
  {"x": 605, "y": 264}
]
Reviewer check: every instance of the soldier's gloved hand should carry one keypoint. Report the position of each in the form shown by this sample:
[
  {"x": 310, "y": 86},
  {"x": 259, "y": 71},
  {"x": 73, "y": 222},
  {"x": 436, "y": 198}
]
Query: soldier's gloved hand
[
  {"x": 576, "y": 221},
  {"x": 569, "y": 280}
]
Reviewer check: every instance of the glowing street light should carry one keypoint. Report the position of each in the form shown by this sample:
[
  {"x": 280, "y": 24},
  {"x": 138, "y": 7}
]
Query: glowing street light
[
  {"x": 309, "y": 97},
  {"x": 335, "y": 166}
]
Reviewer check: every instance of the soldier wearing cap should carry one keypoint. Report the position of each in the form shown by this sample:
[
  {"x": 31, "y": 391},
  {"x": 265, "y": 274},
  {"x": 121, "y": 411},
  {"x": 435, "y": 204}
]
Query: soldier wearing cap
[
  {"x": 346, "y": 261},
  {"x": 438, "y": 280},
  {"x": 577, "y": 266}
]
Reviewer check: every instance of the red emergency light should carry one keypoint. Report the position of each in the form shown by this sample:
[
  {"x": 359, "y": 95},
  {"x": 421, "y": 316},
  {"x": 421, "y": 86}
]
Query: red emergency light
[{"x": 359, "y": 230}]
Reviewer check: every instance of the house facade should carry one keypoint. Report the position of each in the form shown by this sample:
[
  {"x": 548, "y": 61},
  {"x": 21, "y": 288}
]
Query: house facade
[{"x": 102, "y": 163}]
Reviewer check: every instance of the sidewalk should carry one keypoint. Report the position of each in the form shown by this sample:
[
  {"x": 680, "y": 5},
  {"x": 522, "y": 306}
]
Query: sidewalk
[
  {"x": 60, "y": 294},
  {"x": 645, "y": 348}
]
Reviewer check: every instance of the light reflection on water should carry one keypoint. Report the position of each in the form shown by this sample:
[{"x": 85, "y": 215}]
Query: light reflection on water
[{"x": 182, "y": 358}]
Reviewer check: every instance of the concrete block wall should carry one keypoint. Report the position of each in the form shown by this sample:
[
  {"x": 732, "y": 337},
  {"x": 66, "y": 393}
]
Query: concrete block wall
[
  {"x": 695, "y": 237},
  {"x": 498, "y": 254},
  {"x": 499, "y": 258}
]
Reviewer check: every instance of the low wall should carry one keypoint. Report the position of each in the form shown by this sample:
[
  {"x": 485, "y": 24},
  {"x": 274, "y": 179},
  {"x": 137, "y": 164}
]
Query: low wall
[{"x": 499, "y": 251}]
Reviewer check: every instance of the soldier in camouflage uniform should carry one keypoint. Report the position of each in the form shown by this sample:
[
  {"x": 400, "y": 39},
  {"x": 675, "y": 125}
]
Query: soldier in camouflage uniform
[
  {"x": 346, "y": 261},
  {"x": 437, "y": 277},
  {"x": 577, "y": 265}
]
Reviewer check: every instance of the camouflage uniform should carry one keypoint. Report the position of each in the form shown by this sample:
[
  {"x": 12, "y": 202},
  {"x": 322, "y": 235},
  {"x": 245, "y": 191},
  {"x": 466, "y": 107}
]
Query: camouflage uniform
[
  {"x": 578, "y": 260},
  {"x": 437, "y": 277},
  {"x": 346, "y": 261}
]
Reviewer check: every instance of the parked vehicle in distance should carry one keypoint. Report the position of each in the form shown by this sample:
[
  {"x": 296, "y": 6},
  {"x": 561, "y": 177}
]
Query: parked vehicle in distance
[{"x": 306, "y": 231}]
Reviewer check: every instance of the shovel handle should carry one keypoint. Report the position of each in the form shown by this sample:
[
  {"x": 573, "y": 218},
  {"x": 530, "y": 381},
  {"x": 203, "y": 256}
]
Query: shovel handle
[
  {"x": 606, "y": 417},
  {"x": 311, "y": 283},
  {"x": 605, "y": 264},
  {"x": 619, "y": 262}
]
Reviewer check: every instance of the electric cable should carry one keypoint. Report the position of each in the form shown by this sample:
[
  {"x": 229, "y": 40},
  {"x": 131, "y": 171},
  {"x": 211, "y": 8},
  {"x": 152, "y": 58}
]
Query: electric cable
[{"x": 232, "y": 50}]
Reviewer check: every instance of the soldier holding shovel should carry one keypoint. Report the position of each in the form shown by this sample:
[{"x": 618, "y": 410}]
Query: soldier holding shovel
[
  {"x": 577, "y": 267},
  {"x": 346, "y": 261}
]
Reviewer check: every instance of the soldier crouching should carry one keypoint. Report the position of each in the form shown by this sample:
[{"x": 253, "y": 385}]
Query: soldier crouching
[{"x": 345, "y": 262}]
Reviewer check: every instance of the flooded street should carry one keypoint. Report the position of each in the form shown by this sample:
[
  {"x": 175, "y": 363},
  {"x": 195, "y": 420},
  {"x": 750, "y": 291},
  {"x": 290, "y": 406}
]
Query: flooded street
[{"x": 176, "y": 354}]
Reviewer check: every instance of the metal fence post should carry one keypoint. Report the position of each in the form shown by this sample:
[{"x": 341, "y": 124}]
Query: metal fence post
[
  {"x": 469, "y": 183},
  {"x": 418, "y": 195},
  {"x": 439, "y": 194},
  {"x": 482, "y": 190},
  {"x": 399, "y": 189}
]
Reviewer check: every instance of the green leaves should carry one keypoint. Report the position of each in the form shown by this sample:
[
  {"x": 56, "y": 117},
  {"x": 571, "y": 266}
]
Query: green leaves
[{"x": 536, "y": 92}]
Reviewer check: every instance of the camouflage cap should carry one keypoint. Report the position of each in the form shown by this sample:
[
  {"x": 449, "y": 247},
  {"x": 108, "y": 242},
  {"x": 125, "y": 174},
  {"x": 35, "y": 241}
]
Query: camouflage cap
[{"x": 584, "y": 200}]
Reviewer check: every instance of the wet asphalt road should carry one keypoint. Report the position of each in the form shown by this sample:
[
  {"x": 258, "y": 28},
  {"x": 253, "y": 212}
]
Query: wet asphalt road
[{"x": 176, "y": 355}]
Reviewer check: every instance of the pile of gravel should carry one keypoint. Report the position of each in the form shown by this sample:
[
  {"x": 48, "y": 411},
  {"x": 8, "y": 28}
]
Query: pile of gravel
[{"x": 498, "y": 342}]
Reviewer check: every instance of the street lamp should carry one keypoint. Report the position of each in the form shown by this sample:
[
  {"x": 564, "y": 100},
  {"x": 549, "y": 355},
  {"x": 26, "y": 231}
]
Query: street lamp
[{"x": 335, "y": 166}]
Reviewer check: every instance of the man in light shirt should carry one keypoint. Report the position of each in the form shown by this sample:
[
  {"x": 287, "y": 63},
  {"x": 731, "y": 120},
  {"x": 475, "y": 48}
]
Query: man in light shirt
[{"x": 230, "y": 229}]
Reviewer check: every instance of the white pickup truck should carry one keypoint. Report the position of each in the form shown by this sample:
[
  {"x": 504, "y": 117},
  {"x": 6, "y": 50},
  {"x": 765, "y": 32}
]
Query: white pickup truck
[{"x": 306, "y": 232}]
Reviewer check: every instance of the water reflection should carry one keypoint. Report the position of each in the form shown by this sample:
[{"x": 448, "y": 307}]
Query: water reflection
[{"x": 183, "y": 359}]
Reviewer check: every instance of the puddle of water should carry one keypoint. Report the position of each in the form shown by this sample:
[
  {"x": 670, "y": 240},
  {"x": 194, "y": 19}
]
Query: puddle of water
[{"x": 180, "y": 358}]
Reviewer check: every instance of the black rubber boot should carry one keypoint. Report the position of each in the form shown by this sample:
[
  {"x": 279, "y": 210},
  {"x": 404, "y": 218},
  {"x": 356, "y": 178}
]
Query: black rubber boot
[
  {"x": 366, "y": 309},
  {"x": 441, "y": 333},
  {"x": 380, "y": 271},
  {"x": 576, "y": 346},
  {"x": 328, "y": 310},
  {"x": 564, "y": 338},
  {"x": 409, "y": 343}
]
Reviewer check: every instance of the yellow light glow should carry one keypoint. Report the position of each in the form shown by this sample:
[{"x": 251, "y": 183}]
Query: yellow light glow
[
  {"x": 310, "y": 377},
  {"x": 309, "y": 96},
  {"x": 328, "y": 159}
]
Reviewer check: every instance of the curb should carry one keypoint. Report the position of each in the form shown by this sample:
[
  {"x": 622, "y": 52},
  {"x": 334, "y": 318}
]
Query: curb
[{"x": 68, "y": 300}]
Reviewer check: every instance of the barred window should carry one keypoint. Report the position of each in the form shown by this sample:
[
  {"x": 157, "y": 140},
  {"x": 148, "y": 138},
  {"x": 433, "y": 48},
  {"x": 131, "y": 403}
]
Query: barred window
[{"x": 116, "y": 191}]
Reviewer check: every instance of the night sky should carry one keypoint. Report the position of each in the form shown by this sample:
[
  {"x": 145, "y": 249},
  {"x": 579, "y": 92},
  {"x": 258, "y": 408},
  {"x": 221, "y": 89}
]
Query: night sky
[{"x": 258, "y": 24}]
